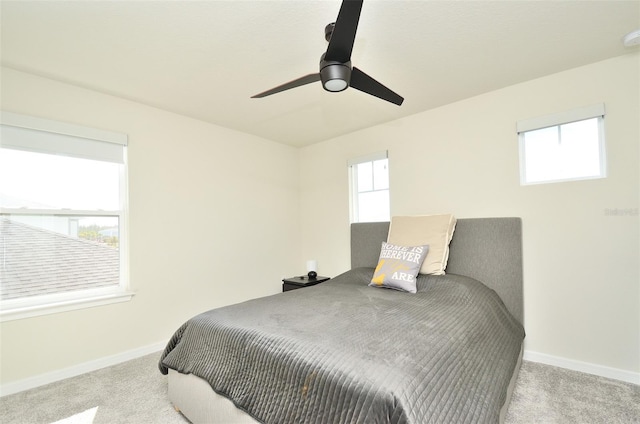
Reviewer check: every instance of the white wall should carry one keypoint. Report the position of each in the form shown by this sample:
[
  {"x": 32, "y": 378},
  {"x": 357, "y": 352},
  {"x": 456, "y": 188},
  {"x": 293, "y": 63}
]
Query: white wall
[
  {"x": 581, "y": 266},
  {"x": 213, "y": 219}
]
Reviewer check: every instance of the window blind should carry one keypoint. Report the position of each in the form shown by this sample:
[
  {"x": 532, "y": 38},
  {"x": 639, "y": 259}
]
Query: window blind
[
  {"x": 43, "y": 136},
  {"x": 368, "y": 158},
  {"x": 554, "y": 119}
]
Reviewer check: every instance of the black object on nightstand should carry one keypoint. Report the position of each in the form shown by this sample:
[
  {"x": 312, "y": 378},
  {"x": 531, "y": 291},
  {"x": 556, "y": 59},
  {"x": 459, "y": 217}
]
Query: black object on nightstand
[{"x": 294, "y": 283}]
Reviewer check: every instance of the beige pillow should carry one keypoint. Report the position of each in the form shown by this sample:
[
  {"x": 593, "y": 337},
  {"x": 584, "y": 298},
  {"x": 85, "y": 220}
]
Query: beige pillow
[{"x": 434, "y": 230}]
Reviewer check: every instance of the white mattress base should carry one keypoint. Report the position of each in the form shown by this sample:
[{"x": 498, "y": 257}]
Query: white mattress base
[{"x": 197, "y": 401}]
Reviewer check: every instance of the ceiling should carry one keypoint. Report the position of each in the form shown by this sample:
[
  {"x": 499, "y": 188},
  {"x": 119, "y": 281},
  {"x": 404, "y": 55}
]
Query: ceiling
[{"x": 205, "y": 59}]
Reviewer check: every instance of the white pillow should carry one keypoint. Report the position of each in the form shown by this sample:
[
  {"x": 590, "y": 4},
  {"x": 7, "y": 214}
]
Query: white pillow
[{"x": 433, "y": 230}]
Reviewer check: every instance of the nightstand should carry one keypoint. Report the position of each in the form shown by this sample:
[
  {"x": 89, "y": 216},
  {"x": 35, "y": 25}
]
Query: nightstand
[{"x": 303, "y": 281}]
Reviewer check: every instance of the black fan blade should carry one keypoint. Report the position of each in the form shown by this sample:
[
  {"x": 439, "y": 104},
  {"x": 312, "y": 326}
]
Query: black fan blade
[
  {"x": 344, "y": 33},
  {"x": 363, "y": 82},
  {"x": 307, "y": 79}
]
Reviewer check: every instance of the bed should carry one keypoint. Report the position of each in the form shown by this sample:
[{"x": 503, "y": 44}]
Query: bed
[{"x": 345, "y": 352}]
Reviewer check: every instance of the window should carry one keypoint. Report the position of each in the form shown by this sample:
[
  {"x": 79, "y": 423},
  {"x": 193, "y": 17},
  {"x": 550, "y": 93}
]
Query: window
[
  {"x": 563, "y": 147},
  {"x": 62, "y": 217},
  {"x": 369, "y": 187}
]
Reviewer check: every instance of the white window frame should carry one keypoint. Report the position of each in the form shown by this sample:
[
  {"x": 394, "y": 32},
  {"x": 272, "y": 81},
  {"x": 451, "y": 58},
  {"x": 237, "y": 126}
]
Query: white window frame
[
  {"x": 353, "y": 181},
  {"x": 60, "y": 302},
  {"x": 558, "y": 120}
]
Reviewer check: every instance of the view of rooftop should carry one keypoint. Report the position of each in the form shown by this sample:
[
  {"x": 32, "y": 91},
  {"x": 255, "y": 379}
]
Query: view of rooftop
[{"x": 35, "y": 261}]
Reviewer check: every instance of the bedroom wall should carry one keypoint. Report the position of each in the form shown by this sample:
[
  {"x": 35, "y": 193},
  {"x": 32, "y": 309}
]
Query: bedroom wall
[
  {"x": 194, "y": 227},
  {"x": 581, "y": 266}
]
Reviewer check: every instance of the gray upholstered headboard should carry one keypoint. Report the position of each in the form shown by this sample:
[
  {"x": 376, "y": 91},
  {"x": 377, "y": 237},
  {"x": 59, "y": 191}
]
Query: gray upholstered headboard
[{"x": 487, "y": 249}]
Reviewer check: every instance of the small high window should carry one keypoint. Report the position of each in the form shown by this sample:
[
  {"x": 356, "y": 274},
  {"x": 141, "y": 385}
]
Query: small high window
[
  {"x": 563, "y": 147},
  {"x": 369, "y": 188}
]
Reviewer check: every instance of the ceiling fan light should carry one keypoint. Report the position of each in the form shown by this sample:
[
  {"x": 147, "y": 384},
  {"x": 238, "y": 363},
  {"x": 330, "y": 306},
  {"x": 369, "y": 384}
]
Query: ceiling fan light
[
  {"x": 335, "y": 76},
  {"x": 632, "y": 39},
  {"x": 335, "y": 85}
]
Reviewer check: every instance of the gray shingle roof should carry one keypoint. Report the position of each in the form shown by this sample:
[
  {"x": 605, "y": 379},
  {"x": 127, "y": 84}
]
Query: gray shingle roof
[{"x": 34, "y": 262}]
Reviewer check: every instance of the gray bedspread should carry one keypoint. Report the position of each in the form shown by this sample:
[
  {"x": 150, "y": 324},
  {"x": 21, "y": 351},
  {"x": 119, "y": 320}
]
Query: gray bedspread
[{"x": 343, "y": 352}]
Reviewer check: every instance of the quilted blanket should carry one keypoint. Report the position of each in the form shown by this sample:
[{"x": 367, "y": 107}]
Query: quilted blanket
[{"x": 343, "y": 352}]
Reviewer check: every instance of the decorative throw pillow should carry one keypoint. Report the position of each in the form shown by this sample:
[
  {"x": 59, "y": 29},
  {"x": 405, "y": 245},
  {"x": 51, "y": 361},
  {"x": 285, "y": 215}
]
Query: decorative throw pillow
[
  {"x": 398, "y": 267},
  {"x": 434, "y": 230}
]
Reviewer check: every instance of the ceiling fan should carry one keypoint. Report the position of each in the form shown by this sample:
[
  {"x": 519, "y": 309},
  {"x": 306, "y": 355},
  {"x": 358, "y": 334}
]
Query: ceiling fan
[{"x": 336, "y": 72}]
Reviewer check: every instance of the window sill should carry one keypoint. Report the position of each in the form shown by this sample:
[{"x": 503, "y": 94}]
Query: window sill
[{"x": 34, "y": 310}]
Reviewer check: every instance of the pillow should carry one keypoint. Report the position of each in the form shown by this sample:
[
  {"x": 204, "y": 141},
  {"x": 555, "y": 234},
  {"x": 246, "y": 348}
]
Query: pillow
[
  {"x": 433, "y": 230},
  {"x": 398, "y": 267}
]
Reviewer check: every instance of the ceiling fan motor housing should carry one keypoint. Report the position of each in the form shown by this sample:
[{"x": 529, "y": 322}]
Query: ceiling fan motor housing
[{"x": 335, "y": 76}]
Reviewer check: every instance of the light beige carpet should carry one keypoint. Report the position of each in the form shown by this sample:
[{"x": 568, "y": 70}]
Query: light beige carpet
[{"x": 136, "y": 392}]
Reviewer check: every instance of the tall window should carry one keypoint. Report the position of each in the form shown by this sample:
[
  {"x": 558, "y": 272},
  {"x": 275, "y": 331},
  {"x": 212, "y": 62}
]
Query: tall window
[
  {"x": 563, "y": 147},
  {"x": 369, "y": 186},
  {"x": 62, "y": 216}
]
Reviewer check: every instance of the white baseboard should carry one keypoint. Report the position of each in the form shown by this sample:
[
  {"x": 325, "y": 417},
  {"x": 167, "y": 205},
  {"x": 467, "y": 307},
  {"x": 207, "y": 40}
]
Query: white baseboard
[
  {"x": 600, "y": 370},
  {"x": 53, "y": 376}
]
